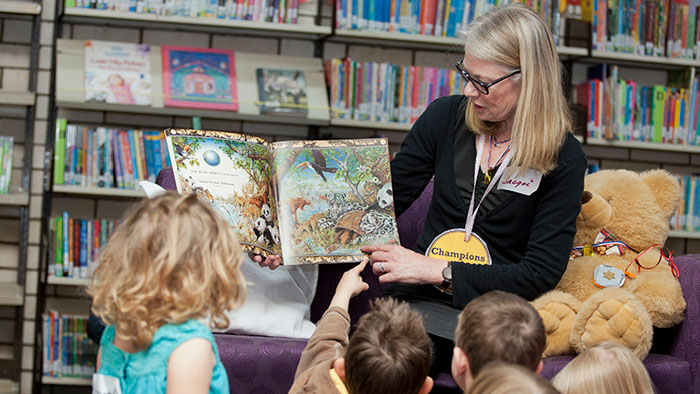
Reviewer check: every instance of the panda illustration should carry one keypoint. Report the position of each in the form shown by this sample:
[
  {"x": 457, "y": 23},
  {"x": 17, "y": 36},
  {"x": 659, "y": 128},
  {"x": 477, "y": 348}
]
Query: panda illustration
[
  {"x": 267, "y": 214},
  {"x": 259, "y": 227}
]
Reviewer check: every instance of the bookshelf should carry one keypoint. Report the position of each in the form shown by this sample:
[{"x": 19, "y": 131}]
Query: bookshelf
[
  {"x": 70, "y": 95},
  {"x": 684, "y": 234},
  {"x": 98, "y": 191},
  {"x": 19, "y": 69}
]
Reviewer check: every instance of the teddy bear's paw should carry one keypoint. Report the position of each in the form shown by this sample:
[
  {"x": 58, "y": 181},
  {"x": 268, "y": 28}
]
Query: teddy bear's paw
[
  {"x": 615, "y": 315},
  {"x": 558, "y": 311}
]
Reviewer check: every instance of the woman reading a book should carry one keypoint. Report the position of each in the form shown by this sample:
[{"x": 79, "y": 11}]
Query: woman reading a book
[{"x": 508, "y": 178}]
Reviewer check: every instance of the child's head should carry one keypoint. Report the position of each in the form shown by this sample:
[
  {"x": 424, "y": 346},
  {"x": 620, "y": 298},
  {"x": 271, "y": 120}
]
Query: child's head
[
  {"x": 497, "y": 326},
  {"x": 506, "y": 378},
  {"x": 171, "y": 259},
  {"x": 115, "y": 79},
  {"x": 389, "y": 352},
  {"x": 605, "y": 369}
]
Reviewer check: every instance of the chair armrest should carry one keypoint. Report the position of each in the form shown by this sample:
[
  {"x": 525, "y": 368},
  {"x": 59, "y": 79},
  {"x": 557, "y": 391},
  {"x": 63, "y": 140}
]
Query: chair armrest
[{"x": 686, "y": 344}]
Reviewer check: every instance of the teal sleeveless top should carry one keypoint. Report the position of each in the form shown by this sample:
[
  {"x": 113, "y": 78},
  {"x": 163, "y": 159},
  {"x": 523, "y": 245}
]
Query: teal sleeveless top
[{"x": 146, "y": 371}]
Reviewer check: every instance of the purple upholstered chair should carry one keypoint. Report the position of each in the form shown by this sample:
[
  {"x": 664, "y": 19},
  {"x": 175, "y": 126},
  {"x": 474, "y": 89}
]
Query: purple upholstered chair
[{"x": 262, "y": 365}]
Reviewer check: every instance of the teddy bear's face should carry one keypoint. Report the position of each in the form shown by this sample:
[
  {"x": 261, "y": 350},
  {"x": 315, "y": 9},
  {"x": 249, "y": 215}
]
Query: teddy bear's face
[{"x": 634, "y": 208}]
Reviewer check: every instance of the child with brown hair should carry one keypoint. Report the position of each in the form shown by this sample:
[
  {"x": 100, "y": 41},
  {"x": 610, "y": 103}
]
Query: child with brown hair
[
  {"x": 506, "y": 378},
  {"x": 496, "y": 326},
  {"x": 389, "y": 352},
  {"x": 172, "y": 260},
  {"x": 607, "y": 368}
]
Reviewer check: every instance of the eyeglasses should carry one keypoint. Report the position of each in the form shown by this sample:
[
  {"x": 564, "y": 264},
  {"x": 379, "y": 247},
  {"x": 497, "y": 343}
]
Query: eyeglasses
[{"x": 482, "y": 87}]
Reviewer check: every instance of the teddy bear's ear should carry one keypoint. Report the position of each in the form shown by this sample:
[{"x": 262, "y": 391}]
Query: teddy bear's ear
[{"x": 665, "y": 188}]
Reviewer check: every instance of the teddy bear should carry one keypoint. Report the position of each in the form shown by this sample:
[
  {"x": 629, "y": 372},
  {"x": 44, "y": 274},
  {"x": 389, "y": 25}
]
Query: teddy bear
[{"x": 618, "y": 283}]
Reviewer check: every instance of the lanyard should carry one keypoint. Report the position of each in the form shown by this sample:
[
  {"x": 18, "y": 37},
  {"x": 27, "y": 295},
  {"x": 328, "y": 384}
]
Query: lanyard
[{"x": 471, "y": 213}]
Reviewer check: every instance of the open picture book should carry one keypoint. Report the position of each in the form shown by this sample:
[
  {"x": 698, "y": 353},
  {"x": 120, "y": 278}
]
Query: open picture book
[{"x": 308, "y": 201}]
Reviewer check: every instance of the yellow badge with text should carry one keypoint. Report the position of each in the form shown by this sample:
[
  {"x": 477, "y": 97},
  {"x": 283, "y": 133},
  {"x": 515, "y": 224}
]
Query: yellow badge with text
[{"x": 450, "y": 246}]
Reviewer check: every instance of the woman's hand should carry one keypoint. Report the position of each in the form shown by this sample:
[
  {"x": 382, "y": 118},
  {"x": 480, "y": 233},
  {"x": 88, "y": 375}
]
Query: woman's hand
[
  {"x": 272, "y": 261},
  {"x": 394, "y": 263}
]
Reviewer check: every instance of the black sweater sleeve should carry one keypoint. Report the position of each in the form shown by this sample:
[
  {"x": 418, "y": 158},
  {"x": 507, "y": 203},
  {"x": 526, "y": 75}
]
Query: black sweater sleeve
[
  {"x": 414, "y": 165},
  {"x": 551, "y": 236}
]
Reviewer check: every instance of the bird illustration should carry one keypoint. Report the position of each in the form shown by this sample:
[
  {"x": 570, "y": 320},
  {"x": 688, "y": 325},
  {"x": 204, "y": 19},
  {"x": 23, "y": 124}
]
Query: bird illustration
[{"x": 318, "y": 164}]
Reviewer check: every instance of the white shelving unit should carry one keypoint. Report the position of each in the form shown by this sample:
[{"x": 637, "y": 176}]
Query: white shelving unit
[
  {"x": 98, "y": 191},
  {"x": 19, "y": 7},
  {"x": 684, "y": 234},
  {"x": 11, "y": 294},
  {"x": 639, "y": 59},
  {"x": 644, "y": 145},
  {"x": 202, "y": 24},
  {"x": 64, "y": 281},
  {"x": 66, "y": 381},
  {"x": 16, "y": 199},
  {"x": 16, "y": 98}
]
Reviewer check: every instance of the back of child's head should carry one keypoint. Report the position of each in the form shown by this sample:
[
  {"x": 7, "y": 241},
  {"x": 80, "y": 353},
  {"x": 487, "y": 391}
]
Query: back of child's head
[
  {"x": 606, "y": 368},
  {"x": 171, "y": 259},
  {"x": 506, "y": 378},
  {"x": 389, "y": 352},
  {"x": 500, "y": 326}
]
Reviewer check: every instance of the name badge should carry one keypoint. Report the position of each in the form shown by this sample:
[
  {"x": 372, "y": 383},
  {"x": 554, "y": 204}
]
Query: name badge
[
  {"x": 526, "y": 182},
  {"x": 105, "y": 384},
  {"x": 450, "y": 246}
]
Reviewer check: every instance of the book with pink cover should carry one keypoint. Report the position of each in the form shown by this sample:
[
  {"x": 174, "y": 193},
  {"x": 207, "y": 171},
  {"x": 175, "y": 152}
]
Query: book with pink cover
[
  {"x": 199, "y": 78},
  {"x": 117, "y": 72}
]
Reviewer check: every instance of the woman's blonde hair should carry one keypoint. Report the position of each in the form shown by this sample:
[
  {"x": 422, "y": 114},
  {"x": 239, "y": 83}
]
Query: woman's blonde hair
[
  {"x": 607, "y": 368},
  {"x": 516, "y": 37},
  {"x": 505, "y": 378},
  {"x": 171, "y": 259}
]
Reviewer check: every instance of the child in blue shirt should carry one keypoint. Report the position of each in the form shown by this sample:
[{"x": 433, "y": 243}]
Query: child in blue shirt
[{"x": 171, "y": 261}]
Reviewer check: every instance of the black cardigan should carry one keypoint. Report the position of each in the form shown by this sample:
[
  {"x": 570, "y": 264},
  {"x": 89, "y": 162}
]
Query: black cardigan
[{"x": 529, "y": 237}]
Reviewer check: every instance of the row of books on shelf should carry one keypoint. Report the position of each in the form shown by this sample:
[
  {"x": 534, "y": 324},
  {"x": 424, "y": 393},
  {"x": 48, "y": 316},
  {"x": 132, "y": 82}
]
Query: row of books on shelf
[
  {"x": 645, "y": 27},
  {"x": 75, "y": 245},
  {"x": 107, "y": 157},
  {"x": 277, "y": 11},
  {"x": 6, "y": 148},
  {"x": 384, "y": 92},
  {"x": 441, "y": 18},
  {"x": 687, "y": 217},
  {"x": 623, "y": 110},
  {"x": 67, "y": 351}
]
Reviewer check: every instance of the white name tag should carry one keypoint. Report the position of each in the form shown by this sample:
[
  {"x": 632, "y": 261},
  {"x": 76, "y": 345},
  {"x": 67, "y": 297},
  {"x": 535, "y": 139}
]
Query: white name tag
[
  {"x": 105, "y": 384},
  {"x": 526, "y": 182}
]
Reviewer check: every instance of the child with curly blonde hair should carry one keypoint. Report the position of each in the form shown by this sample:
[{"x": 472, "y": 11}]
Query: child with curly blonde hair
[{"x": 172, "y": 260}]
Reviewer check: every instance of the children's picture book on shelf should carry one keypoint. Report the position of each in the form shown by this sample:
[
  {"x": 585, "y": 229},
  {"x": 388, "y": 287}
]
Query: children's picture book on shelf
[
  {"x": 199, "y": 78},
  {"x": 117, "y": 72},
  {"x": 308, "y": 201},
  {"x": 282, "y": 92}
]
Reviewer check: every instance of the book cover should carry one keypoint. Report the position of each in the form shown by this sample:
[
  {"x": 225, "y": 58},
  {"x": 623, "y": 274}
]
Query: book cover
[
  {"x": 307, "y": 201},
  {"x": 199, "y": 78},
  {"x": 117, "y": 72},
  {"x": 282, "y": 92}
]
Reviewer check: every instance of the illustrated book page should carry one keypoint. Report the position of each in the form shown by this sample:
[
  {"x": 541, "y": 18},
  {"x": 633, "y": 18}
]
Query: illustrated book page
[
  {"x": 117, "y": 72},
  {"x": 199, "y": 78},
  {"x": 282, "y": 92},
  {"x": 334, "y": 197},
  {"x": 232, "y": 172}
]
